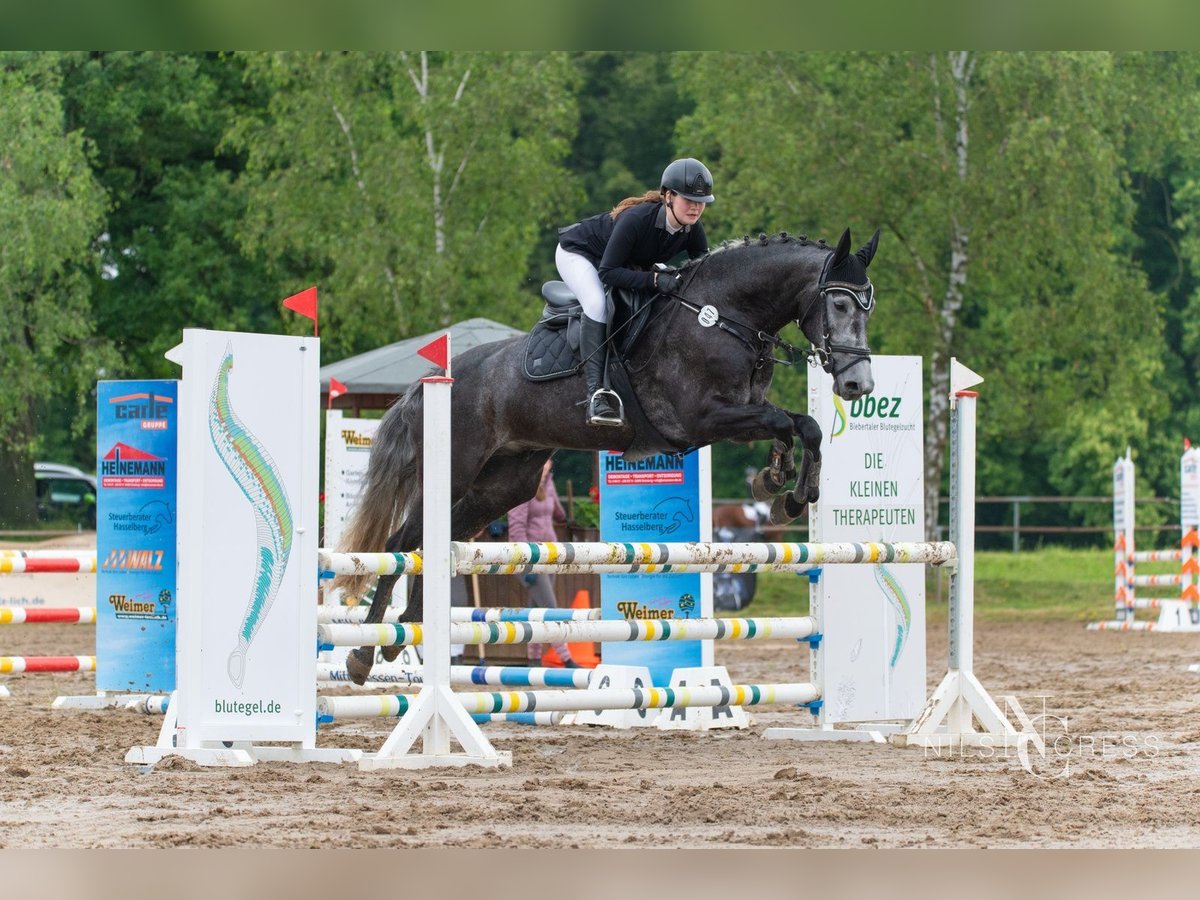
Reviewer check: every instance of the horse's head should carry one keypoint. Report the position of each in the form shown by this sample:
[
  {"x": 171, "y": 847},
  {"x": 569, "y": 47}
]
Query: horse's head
[{"x": 836, "y": 322}]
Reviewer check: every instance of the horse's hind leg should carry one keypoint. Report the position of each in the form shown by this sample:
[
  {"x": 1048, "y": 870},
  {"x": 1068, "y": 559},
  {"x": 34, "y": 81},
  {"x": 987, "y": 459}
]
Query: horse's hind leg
[{"x": 360, "y": 660}]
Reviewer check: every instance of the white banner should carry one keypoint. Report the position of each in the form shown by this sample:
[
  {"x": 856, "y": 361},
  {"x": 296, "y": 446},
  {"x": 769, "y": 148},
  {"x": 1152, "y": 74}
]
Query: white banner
[
  {"x": 247, "y": 538},
  {"x": 871, "y": 661},
  {"x": 347, "y": 449}
]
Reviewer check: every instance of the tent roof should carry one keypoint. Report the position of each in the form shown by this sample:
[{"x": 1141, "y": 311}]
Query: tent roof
[{"x": 390, "y": 370}]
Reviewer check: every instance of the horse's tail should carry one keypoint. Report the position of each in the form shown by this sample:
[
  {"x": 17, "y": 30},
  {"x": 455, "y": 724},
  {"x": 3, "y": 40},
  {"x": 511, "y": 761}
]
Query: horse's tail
[{"x": 391, "y": 491}]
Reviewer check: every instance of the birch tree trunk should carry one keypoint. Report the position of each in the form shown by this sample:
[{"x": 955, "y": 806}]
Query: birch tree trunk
[{"x": 946, "y": 314}]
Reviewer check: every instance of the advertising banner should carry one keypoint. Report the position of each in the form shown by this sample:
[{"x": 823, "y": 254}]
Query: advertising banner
[
  {"x": 871, "y": 661},
  {"x": 347, "y": 449},
  {"x": 136, "y": 471},
  {"x": 664, "y": 498},
  {"x": 248, "y": 538}
]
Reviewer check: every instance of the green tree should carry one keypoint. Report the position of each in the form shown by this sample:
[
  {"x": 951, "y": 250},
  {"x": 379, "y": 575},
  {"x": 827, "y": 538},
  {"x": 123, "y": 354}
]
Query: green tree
[
  {"x": 412, "y": 187},
  {"x": 51, "y": 216},
  {"x": 1000, "y": 185},
  {"x": 171, "y": 255}
]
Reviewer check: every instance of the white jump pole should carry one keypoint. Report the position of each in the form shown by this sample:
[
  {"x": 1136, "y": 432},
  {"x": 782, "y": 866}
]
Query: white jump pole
[
  {"x": 436, "y": 715},
  {"x": 947, "y": 719}
]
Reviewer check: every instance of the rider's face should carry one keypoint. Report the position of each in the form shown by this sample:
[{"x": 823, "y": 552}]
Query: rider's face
[{"x": 685, "y": 211}]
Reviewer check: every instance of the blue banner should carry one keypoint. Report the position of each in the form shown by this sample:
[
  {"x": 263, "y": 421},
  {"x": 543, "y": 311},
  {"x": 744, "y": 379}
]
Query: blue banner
[
  {"x": 136, "y": 472},
  {"x": 653, "y": 500}
]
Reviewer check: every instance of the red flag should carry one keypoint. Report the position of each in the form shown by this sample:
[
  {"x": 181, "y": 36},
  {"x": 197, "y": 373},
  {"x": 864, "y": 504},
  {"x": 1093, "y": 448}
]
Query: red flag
[
  {"x": 304, "y": 303},
  {"x": 438, "y": 352},
  {"x": 336, "y": 389}
]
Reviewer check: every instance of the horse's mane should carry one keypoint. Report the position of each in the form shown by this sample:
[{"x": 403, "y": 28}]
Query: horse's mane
[{"x": 762, "y": 240}]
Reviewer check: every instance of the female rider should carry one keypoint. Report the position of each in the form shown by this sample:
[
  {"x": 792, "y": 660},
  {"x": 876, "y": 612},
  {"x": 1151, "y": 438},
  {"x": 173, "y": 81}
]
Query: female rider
[{"x": 617, "y": 248}]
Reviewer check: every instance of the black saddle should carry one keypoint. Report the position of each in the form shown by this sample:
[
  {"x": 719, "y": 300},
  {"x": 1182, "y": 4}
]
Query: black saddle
[{"x": 552, "y": 349}]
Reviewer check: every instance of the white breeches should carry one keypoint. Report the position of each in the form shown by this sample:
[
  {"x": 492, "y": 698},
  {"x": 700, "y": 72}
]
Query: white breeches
[{"x": 583, "y": 280}]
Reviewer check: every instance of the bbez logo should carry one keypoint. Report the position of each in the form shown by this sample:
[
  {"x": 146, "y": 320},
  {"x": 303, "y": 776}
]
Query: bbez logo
[{"x": 877, "y": 407}]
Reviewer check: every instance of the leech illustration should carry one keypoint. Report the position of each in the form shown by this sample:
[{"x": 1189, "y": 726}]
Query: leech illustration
[
  {"x": 894, "y": 592},
  {"x": 256, "y": 475}
]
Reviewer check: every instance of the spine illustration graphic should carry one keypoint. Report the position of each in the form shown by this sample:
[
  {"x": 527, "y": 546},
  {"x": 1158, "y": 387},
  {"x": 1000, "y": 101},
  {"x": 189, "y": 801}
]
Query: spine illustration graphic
[
  {"x": 899, "y": 603},
  {"x": 256, "y": 475}
]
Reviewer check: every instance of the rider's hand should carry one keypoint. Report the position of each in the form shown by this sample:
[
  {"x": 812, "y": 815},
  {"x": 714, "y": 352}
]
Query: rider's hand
[{"x": 666, "y": 279}]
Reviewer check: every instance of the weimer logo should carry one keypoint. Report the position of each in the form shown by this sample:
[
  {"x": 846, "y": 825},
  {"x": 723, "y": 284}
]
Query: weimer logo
[
  {"x": 128, "y": 467},
  {"x": 152, "y": 409}
]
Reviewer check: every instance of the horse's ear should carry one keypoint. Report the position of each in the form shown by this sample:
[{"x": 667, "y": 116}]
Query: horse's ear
[
  {"x": 867, "y": 253},
  {"x": 843, "y": 249}
]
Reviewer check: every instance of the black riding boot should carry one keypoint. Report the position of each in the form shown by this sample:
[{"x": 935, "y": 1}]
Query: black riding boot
[{"x": 604, "y": 406}]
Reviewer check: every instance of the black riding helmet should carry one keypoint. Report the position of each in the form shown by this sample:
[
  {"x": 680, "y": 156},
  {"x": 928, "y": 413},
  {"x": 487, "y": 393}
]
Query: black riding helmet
[{"x": 688, "y": 178}]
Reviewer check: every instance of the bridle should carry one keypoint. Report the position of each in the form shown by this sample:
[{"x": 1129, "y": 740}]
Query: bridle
[
  {"x": 822, "y": 355},
  {"x": 863, "y": 295}
]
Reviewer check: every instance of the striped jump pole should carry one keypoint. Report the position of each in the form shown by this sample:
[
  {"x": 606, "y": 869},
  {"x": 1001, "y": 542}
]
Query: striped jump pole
[
  {"x": 34, "y": 615},
  {"x": 516, "y": 558},
  {"x": 497, "y": 676},
  {"x": 483, "y": 702},
  {"x": 1122, "y": 625},
  {"x": 14, "y": 665},
  {"x": 616, "y": 558},
  {"x": 350, "y": 615},
  {"x": 406, "y": 634},
  {"x": 59, "y": 563}
]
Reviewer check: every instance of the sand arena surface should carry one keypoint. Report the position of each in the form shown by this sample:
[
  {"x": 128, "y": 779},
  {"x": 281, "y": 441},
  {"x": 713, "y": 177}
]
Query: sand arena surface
[{"x": 1131, "y": 740}]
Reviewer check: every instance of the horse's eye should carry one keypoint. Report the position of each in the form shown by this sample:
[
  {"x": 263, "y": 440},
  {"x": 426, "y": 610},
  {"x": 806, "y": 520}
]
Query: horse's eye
[{"x": 840, "y": 305}]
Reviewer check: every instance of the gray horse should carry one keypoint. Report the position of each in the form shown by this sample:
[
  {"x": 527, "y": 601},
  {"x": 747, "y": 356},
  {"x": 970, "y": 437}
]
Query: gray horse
[{"x": 701, "y": 369}]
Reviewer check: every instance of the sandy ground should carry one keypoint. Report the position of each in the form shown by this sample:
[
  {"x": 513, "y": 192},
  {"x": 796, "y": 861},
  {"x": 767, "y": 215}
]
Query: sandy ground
[{"x": 1122, "y": 720}]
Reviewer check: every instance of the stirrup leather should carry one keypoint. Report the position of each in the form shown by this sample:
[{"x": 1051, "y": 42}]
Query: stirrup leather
[{"x": 615, "y": 399}]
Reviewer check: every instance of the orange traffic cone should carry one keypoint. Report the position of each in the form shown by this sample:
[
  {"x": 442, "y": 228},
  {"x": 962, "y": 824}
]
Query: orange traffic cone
[{"x": 583, "y": 654}]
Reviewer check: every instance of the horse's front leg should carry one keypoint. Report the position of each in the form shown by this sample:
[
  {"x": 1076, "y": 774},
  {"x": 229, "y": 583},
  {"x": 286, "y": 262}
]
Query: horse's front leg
[
  {"x": 779, "y": 470},
  {"x": 790, "y": 506},
  {"x": 745, "y": 422}
]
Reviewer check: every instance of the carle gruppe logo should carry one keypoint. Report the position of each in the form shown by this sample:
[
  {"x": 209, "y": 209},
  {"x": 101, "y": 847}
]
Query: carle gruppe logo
[{"x": 149, "y": 409}]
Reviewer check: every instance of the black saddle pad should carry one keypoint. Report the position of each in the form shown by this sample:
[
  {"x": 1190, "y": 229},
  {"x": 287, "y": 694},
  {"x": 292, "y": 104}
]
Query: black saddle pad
[{"x": 552, "y": 348}]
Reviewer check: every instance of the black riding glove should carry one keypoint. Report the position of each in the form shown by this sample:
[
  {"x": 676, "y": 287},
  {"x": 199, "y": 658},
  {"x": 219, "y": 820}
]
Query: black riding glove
[{"x": 666, "y": 280}]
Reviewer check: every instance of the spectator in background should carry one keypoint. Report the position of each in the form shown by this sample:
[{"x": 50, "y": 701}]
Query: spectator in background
[{"x": 533, "y": 522}]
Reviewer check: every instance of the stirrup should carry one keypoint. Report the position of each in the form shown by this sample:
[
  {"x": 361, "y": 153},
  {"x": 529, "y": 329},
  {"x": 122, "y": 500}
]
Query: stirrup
[{"x": 613, "y": 397}]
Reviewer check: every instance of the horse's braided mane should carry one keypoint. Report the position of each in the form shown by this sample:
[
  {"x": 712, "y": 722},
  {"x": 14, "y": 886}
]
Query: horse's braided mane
[{"x": 763, "y": 240}]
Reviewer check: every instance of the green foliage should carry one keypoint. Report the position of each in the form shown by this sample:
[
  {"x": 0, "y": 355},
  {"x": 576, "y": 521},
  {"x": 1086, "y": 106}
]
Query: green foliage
[
  {"x": 1042, "y": 294},
  {"x": 1049, "y": 584},
  {"x": 411, "y": 187},
  {"x": 51, "y": 213}
]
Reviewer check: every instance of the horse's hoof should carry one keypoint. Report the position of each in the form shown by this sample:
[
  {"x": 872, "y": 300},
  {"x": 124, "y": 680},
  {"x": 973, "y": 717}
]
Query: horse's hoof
[
  {"x": 765, "y": 486},
  {"x": 390, "y": 654},
  {"x": 358, "y": 664},
  {"x": 786, "y": 508}
]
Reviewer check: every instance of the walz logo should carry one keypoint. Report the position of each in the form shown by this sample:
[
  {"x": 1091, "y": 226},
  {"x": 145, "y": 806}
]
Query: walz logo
[{"x": 133, "y": 561}]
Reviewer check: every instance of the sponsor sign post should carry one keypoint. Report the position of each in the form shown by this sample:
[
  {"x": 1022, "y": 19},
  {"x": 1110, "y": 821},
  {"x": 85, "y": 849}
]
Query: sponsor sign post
[
  {"x": 136, "y": 470},
  {"x": 347, "y": 449},
  {"x": 870, "y": 664},
  {"x": 246, "y": 656},
  {"x": 665, "y": 497}
]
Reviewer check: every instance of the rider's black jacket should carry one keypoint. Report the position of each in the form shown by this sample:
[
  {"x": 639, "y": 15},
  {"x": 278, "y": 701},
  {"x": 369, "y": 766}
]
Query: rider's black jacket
[{"x": 638, "y": 237}]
